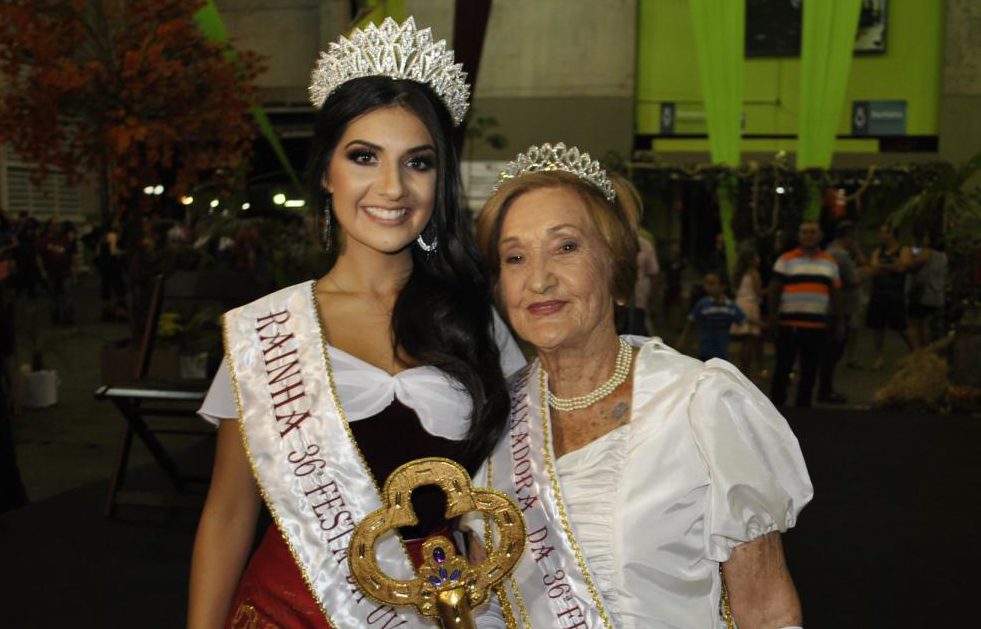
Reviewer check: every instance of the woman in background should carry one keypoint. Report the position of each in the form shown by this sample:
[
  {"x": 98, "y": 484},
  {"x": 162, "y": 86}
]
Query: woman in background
[
  {"x": 927, "y": 289},
  {"x": 749, "y": 296}
]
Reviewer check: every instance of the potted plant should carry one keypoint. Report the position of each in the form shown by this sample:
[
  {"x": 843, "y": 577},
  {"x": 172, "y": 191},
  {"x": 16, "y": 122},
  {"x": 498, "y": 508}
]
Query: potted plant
[{"x": 194, "y": 335}]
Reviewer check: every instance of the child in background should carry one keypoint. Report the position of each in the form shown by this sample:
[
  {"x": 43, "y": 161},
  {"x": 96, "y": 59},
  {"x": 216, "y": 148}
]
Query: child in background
[{"x": 714, "y": 314}]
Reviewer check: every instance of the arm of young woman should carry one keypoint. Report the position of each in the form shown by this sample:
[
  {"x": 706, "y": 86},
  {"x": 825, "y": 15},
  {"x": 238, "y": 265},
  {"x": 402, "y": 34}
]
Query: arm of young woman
[
  {"x": 761, "y": 591},
  {"x": 225, "y": 533}
]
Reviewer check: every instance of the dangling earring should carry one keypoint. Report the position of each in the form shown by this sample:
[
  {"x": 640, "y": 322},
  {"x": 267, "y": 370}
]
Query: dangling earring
[
  {"x": 427, "y": 247},
  {"x": 325, "y": 234}
]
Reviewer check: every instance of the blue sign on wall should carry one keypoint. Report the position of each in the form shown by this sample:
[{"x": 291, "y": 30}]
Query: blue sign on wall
[{"x": 879, "y": 117}]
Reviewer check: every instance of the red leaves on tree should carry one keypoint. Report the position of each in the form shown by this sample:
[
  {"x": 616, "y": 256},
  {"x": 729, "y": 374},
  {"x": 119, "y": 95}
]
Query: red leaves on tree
[{"x": 128, "y": 88}]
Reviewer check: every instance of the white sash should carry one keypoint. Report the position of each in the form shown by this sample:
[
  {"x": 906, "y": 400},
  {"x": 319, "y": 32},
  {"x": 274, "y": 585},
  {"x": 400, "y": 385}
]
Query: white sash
[
  {"x": 551, "y": 586},
  {"x": 308, "y": 467}
]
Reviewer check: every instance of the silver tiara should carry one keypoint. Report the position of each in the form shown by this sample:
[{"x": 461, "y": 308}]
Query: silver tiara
[
  {"x": 396, "y": 51},
  {"x": 546, "y": 158}
]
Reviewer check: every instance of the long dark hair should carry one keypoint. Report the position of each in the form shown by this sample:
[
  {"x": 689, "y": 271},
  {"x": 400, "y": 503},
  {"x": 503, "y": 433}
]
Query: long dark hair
[{"x": 442, "y": 317}]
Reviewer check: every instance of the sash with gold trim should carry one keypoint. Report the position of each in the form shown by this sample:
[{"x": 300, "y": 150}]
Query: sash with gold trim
[
  {"x": 552, "y": 585},
  {"x": 308, "y": 467}
]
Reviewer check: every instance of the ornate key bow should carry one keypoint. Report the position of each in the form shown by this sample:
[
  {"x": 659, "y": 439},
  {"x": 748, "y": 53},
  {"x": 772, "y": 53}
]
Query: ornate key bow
[{"x": 446, "y": 586}]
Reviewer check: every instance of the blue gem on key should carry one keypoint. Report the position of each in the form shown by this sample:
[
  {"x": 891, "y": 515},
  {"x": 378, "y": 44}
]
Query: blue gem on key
[{"x": 439, "y": 555}]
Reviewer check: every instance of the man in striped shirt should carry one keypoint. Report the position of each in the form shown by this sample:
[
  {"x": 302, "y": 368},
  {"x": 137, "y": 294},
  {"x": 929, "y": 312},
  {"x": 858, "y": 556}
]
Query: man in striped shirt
[{"x": 804, "y": 295}]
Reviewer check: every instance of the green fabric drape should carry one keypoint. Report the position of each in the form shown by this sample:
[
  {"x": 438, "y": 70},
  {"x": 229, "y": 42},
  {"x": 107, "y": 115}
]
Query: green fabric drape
[
  {"x": 827, "y": 46},
  {"x": 728, "y": 195},
  {"x": 719, "y": 35},
  {"x": 211, "y": 24},
  {"x": 720, "y": 27}
]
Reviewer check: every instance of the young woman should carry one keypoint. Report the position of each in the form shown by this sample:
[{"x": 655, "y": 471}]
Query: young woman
[
  {"x": 393, "y": 355},
  {"x": 749, "y": 296}
]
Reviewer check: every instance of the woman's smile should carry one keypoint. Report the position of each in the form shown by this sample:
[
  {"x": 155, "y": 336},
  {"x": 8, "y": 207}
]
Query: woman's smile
[
  {"x": 386, "y": 216},
  {"x": 544, "y": 308}
]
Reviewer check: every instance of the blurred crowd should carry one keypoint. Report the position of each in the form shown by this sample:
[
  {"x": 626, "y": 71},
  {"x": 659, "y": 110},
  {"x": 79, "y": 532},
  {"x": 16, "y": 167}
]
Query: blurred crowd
[
  {"x": 813, "y": 297},
  {"x": 44, "y": 259}
]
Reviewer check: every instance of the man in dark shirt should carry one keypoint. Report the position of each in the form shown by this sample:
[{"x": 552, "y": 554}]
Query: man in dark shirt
[{"x": 57, "y": 252}]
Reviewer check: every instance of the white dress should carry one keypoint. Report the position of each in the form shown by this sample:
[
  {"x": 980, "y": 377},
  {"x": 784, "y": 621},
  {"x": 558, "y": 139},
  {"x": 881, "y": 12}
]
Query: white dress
[
  {"x": 705, "y": 464},
  {"x": 749, "y": 302}
]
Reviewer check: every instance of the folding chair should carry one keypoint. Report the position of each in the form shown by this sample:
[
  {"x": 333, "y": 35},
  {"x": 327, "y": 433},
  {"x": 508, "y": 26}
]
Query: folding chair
[{"x": 144, "y": 397}]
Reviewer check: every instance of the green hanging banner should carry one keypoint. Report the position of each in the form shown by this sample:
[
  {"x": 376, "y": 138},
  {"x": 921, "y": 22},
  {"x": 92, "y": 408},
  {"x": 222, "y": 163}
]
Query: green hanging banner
[
  {"x": 210, "y": 23},
  {"x": 827, "y": 46},
  {"x": 728, "y": 195},
  {"x": 720, "y": 27}
]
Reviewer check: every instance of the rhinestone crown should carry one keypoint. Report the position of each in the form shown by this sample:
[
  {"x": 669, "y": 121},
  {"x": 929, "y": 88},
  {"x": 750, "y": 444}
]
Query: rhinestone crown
[
  {"x": 394, "y": 50},
  {"x": 548, "y": 157}
]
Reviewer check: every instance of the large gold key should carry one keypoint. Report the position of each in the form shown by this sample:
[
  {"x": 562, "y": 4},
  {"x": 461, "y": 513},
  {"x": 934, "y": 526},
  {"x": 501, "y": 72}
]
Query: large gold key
[{"x": 446, "y": 586}]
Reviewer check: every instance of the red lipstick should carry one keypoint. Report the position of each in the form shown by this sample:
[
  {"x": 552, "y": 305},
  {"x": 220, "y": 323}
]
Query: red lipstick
[{"x": 546, "y": 307}]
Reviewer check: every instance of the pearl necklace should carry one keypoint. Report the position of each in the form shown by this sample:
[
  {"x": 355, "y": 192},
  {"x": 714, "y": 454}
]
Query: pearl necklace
[{"x": 625, "y": 357}]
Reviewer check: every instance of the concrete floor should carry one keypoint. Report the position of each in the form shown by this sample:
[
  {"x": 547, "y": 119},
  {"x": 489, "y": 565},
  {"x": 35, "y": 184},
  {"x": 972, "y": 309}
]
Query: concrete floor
[{"x": 74, "y": 442}]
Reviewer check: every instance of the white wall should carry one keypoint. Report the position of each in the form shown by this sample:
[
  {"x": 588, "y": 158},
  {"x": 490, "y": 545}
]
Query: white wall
[
  {"x": 549, "y": 48},
  {"x": 287, "y": 33}
]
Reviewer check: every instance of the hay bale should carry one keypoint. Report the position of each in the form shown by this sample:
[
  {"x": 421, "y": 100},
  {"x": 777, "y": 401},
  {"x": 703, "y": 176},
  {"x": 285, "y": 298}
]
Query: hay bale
[{"x": 921, "y": 380}]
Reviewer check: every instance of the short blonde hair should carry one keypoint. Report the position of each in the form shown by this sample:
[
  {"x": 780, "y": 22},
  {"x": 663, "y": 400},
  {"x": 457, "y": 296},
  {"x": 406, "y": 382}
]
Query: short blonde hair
[{"x": 617, "y": 230}]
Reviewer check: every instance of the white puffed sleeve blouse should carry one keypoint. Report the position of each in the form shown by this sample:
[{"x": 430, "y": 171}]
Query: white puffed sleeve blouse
[
  {"x": 441, "y": 403},
  {"x": 705, "y": 464}
]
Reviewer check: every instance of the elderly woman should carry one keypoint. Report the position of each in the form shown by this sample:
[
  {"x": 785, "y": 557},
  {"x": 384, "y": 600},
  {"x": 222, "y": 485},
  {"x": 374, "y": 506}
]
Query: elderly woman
[{"x": 640, "y": 472}]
